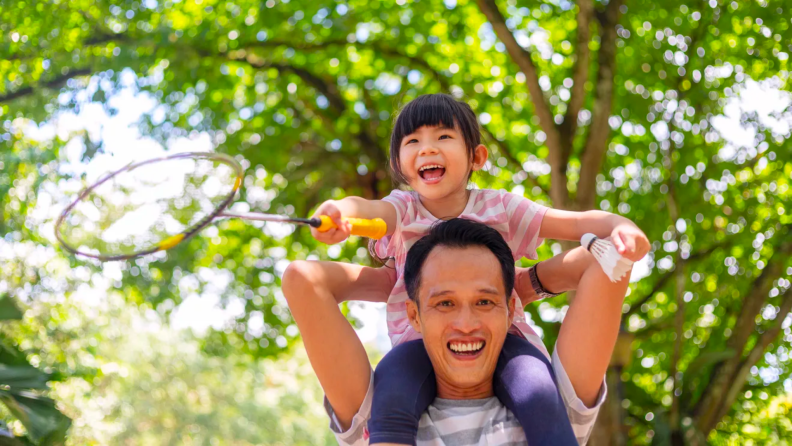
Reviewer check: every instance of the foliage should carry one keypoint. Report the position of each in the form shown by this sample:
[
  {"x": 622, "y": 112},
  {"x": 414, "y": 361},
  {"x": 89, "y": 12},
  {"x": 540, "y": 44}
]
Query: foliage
[
  {"x": 153, "y": 385},
  {"x": 21, "y": 386},
  {"x": 627, "y": 106}
]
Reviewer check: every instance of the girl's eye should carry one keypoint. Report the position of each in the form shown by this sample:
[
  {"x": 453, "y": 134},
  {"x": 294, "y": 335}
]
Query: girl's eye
[
  {"x": 445, "y": 136},
  {"x": 411, "y": 141}
]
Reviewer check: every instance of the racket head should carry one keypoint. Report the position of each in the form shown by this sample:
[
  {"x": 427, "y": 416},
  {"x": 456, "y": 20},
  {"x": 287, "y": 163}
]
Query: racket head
[{"x": 148, "y": 206}]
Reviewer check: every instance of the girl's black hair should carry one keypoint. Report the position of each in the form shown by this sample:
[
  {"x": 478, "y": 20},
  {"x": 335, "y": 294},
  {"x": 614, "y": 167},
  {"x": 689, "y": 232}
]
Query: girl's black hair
[
  {"x": 433, "y": 110},
  {"x": 458, "y": 233}
]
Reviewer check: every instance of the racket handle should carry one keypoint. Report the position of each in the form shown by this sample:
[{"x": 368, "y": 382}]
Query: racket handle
[{"x": 374, "y": 228}]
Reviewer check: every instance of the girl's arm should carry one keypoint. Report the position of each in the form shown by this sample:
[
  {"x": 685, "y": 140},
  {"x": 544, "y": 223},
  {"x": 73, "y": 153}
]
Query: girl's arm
[
  {"x": 630, "y": 241},
  {"x": 352, "y": 207}
]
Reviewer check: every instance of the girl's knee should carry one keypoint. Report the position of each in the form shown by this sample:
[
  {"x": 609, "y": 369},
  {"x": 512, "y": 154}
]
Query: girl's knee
[{"x": 406, "y": 360}]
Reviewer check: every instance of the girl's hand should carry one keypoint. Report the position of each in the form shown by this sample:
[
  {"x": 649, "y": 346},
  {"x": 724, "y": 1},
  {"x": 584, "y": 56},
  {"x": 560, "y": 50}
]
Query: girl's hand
[
  {"x": 335, "y": 235},
  {"x": 630, "y": 241}
]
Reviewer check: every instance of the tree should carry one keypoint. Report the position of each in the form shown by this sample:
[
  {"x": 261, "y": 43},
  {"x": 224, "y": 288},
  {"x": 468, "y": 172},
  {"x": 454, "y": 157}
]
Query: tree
[
  {"x": 613, "y": 105},
  {"x": 21, "y": 386},
  {"x": 154, "y": 385}
]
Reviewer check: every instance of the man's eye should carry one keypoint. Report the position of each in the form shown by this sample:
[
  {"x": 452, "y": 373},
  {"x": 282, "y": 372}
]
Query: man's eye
[
  {"x": 445, "y": 303},
  {"x": 485, "y": 302}
]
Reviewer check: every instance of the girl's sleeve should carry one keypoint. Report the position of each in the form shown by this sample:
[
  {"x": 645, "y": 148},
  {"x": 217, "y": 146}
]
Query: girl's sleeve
[
  {"x": 386, "y": 247},
  {"x": 525, "y": 219}
]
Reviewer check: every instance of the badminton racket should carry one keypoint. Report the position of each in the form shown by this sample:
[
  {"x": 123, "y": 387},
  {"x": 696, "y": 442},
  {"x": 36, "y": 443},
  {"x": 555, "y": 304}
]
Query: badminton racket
[{"x": 156, "y": 204}]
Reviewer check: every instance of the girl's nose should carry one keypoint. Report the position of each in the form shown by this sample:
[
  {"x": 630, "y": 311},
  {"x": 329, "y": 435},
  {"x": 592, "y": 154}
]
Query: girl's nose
[{"x": 429, "y": 149}]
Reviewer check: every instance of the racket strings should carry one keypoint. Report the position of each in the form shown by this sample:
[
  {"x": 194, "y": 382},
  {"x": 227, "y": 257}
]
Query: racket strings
[{"x": 148, "y": 206}]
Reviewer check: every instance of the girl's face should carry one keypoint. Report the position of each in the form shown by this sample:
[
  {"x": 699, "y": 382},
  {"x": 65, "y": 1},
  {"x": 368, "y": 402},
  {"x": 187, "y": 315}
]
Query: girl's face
[{"x": 435, "y": 161}]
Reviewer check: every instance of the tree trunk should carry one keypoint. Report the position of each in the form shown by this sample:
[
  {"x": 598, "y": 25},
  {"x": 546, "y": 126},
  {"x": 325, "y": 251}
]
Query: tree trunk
[{"x": 609, "y": 428}]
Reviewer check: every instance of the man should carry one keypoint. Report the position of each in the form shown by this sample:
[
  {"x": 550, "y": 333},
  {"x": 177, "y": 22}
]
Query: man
[{"x": 461, "y": 294}]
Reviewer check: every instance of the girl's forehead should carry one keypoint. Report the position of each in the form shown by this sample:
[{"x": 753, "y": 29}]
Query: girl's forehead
[{"x": 430, "y": 128}]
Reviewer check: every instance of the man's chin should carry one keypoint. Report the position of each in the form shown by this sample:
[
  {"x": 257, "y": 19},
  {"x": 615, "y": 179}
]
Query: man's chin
[{"x": 467, "y": 364}]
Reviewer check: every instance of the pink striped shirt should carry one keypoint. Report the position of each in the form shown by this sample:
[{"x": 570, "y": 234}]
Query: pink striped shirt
[{"x": 515, "y": 217}]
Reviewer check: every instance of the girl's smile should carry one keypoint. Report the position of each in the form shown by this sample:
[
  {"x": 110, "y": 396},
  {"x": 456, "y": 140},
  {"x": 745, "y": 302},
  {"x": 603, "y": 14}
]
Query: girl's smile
[{"x": 431, "y": 173}]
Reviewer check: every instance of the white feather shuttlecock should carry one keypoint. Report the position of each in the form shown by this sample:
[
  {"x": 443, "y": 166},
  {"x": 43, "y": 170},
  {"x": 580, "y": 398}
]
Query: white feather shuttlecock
[{"x": 613, "y": 264}]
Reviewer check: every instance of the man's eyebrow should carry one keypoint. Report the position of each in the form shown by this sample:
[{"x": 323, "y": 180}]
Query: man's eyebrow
[
  {"x": 440, "y": 293},
  {"x": 486, "y": 290}
]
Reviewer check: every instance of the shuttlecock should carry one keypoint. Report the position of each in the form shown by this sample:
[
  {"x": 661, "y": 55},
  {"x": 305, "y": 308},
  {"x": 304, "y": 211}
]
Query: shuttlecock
[{"x": 613, "y": 264}]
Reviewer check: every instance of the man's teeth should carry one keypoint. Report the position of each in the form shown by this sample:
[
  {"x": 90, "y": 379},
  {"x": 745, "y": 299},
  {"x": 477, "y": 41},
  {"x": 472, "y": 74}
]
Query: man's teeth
[
  {"x": 430, "y": 166},
  {"x": 466, "y": 346}
]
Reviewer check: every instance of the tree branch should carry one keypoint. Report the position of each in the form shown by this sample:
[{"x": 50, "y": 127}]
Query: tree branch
[
  {"x": 559, "y": 192},
  {"x": 662, "y": 281},
  {"x": 54, "y": 83},
  {"x": 579, "y": 77},
  {"x": 708, "y": 406},
  {"x": 381, "y": 48},
  {"x": 503, "y": 148},
  {"x": 297, "y": 45},
  {"x": 599, "y": 130},
  {"x": 738, "y": 381},
  {"x": 375, "y": 45},
  {"x": 368, "y": 143}
]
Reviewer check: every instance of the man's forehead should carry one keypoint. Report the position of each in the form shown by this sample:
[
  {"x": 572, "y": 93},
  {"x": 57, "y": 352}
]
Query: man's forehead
[{"x": 453, "y": 269}]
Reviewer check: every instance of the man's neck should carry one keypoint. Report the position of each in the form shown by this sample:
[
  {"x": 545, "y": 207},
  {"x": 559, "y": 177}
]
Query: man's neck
[{"x": 447, "y": 391}]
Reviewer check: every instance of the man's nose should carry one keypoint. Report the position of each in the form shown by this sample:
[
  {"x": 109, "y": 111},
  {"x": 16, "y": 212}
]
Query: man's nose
[{"x": 467, "y": 320}]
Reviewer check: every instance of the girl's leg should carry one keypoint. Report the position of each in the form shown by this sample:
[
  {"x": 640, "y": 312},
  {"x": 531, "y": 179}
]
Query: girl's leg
[
  {"x": 404, "y": 386},
  {"x": 525, "y": 383},
  {"x": 313, "y": 291}
]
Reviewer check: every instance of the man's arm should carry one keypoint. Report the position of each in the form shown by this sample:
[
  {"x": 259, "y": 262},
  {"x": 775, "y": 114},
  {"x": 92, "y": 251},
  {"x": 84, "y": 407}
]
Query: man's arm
[
  {"x": 313, "y": 291},
  {"x": 591, "y": 325}
]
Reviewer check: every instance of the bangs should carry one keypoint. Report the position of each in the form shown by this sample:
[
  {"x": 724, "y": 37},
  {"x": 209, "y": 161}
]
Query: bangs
[
  {"x": 433, "y": 110},
  {"x": 420, "y": 113}
]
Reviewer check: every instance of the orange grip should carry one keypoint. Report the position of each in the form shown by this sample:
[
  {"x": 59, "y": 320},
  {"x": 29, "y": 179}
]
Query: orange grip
[{"x": 374, "y": 228}]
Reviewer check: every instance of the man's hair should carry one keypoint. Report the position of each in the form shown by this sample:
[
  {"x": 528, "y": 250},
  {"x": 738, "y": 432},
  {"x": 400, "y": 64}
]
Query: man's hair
[
  {"x": 457, "y": 233},
  {"x": 433, "y": 110}
]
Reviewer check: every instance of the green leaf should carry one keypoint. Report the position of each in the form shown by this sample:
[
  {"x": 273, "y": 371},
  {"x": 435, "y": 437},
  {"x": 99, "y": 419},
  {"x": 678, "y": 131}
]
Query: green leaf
[
  {"x": 8, "y": 309},
  {"x": 44, "y": 423},
  {"x": 704, "y": 360},
  {"x": 23, "y": 377},
  {"x": 6, "y": 440}
]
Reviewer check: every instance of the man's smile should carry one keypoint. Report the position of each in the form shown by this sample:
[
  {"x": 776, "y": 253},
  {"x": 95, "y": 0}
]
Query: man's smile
[{"x": 466, "y": 350}]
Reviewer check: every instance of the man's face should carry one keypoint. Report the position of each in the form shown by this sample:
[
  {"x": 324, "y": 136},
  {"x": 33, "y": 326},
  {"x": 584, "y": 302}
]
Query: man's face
[{"x": 464, "y": 316}]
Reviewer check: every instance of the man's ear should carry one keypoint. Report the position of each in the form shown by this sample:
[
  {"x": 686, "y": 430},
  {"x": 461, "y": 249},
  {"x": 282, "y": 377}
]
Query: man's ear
[
  {"x": 511, "y": 307},
  {"x": 480, "y": 155},
  {"x": 413, "y": 315}
]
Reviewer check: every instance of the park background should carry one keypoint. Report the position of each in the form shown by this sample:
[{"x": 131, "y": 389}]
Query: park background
[{"x": 675, "y": 114}]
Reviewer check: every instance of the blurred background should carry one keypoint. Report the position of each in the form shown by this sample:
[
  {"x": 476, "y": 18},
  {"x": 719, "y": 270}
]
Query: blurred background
[{"x": 675, "y": 114}]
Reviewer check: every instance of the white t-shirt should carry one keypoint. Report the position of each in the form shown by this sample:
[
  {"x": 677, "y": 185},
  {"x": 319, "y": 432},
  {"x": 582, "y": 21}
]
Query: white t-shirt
[{"x": 485, "y": 422}]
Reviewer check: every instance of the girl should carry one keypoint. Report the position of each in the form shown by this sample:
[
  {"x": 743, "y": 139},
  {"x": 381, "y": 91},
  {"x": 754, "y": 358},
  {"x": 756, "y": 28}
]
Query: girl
[{"x": 435, "y": 148}]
